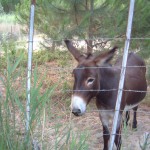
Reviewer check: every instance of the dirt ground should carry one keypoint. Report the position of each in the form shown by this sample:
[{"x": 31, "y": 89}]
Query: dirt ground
[
  {"x": 88, "y": 125},
  {"x": 131, "y": 139}
]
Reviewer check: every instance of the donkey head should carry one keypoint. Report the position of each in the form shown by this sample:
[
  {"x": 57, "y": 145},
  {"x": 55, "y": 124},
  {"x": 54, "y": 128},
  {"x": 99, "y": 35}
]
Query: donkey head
[{"x": 86, "y": 77}]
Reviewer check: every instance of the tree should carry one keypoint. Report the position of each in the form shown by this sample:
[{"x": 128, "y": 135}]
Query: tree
[
  {"x": 9, "y": 5},
  {"x": 67, "y": 19},
  {"x": 1, "y": 9},
  {"x": 141, "y": 23},
  {"x": 90, "y": 20}
]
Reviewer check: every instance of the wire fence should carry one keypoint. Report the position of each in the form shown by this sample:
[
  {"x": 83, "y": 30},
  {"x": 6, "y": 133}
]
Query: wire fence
[
  {"x": 86, "y": 123},
  {"x": 66, "y": 69}
]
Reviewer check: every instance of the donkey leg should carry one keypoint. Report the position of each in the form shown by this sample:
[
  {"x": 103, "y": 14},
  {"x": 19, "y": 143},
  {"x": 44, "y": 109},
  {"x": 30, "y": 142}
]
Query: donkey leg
[
  {"x": 127, "y": 117},
  {"x": 118, "y": 133},
  {"x": 134, "y": 125},
  {"x": 118, "y": 141},
  {"x": 106, "y": 137},
  {"x": 104, "y": 117}
]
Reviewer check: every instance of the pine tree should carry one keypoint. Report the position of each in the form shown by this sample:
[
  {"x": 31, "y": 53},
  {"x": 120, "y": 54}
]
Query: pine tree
[
  {"x": 91, "y": 20},
  {"x": 60, "y": 19},
  {"x": 141, "y": 23}
]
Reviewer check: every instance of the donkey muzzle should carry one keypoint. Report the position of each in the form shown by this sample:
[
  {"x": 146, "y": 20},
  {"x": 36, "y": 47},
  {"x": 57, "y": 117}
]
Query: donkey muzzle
[{"x": 78, "y": 105}]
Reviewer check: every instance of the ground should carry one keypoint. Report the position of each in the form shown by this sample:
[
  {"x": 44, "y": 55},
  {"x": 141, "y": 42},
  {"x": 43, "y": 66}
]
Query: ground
[
  {"x": 91, "y": 125},
  {"x": 63, "y": 130},
  {"x": 88, "y": 126},
  {"x": 59, "y": 128}
]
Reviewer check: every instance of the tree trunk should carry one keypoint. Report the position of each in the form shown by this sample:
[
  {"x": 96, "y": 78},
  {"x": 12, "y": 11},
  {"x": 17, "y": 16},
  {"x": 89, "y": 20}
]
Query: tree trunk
[
  {"x": 89, "y": 46},
  {"x": 89, "y": 41}
]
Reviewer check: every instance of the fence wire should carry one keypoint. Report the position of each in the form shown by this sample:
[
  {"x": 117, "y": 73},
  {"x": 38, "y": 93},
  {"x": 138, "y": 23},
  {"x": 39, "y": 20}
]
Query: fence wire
[
  {"x": 66, "y": 69},
  {"x": 91, "y": 111}
]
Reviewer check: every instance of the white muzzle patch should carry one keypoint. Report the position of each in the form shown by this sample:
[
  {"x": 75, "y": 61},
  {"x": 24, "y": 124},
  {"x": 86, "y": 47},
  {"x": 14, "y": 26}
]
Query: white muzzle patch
[{"x": 78, "y": 103}]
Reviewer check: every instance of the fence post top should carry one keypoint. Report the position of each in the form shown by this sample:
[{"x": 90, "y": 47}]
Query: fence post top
[{"x": 33, "y": 2}]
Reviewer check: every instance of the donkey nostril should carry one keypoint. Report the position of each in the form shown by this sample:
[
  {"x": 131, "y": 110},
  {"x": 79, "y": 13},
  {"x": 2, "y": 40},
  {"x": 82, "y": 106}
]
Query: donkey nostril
[
  {"x": 76, "y": 112},
  {"x": 79, "y": 111}
]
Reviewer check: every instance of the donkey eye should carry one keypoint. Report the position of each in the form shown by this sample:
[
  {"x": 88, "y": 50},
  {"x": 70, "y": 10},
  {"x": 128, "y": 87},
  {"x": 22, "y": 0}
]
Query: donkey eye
[{"x": 90, "y": 80}]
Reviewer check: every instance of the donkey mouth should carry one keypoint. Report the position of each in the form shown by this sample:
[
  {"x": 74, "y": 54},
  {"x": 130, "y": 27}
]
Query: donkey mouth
[{"x": 77, "y": 114}]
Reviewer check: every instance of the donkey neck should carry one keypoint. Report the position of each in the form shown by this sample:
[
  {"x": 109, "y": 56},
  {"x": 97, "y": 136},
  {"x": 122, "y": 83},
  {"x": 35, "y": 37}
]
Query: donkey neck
[{"x": 109, "y": 78}]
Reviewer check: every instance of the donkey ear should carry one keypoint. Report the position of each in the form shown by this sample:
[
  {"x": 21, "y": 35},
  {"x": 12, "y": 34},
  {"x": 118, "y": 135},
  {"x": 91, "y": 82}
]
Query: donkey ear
[
  {"x": 76, "y": 54},
  {"x": 105, "y": 57}
]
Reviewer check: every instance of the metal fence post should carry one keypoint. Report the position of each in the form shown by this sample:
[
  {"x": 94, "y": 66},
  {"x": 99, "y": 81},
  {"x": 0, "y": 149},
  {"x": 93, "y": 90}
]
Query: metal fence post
[
  {"x": 122, "y": 74},
  {"x": 30, "y": 49}
]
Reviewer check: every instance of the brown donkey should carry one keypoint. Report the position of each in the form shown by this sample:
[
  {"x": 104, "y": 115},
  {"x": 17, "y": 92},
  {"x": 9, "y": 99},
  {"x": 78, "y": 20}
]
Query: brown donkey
[{"x": 94, "y": 77}]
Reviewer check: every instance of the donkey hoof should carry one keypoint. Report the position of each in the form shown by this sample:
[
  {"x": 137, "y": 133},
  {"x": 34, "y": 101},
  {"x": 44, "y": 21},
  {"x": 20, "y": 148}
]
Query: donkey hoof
[{"x": 134, "y": 127}]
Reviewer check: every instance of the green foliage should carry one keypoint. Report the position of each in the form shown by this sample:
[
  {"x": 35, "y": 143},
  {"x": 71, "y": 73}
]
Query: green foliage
[
  {"x": 39, "y": 57},
  {"x": 60, "y": 57},
  {"x": 10, "y": 52},
  {"x": 12, "y": 106},
  {"x": 146, "y": 142},
  {"x": 22, "y": 12},
  {"x": 78, "y": 141},
  {"x": 64, "y": 19},
  {"x": 58, "y": 16},
  {"x": 9, "y": 5},
  {"x": 72, "y": 140},
  {"x": 1, "y": 9},
  {"x": 89, "y": 19},
  {"x": 9, "y": 138},
  {"x": 141, "y": 23},
  {"x": 9, "y": 49}
]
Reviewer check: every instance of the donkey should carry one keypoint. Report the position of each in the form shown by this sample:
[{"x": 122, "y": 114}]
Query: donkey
[{"x": 94, "y": 77}]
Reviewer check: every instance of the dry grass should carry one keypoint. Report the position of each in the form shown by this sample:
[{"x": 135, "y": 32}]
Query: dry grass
[
  {"x": 10, "y": 28},
  {"x": 8, "y": 25},
  {"x": 57, "y": 128}
]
